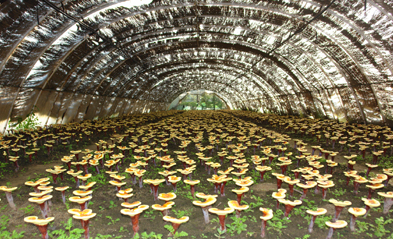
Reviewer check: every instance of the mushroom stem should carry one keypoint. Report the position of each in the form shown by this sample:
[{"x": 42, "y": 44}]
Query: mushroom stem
[
  {"x": 387, "y": 180},
  {"x": 54, "y": 176},
  {"x": 10, "y": 200},
  {"x": 277, "y": 204},
  {"x": 206, "y": 214},
  {"x": 85, "y": 225},
  {"x": 263, "y": 228},
  {"x": 311, "y": 226},
  {"x": 222, "y": 189},
  {"x": 43, "y": 210},
  {"x": 192, "y": 190},
  {"x": 330, "y": 233},
  {"x": 140, "y": 182},
  {"x": 222, "y": 223},
  {"x": 279, "y": 182},
  {"x": 262, "y": 173},
  {"x": 352, "y": 223},
  {"x": 135, "y": 223},
  {"x": 291, "y": 189},
  {"x": 367, "y": 209},
  {"x": 44, "y": 231},
  {"x": 239, "y": 197},
  {"x": 97, "y": 169},
  {"x": 175, "y": 227},
  {"x": 174, "y": 187},
  {"x": 387, "y": 204},
  {"x": 356, "y": 187},
  {"x": 337, "y": 214},
  {"x": 155, "y": 192},
  {"x": 304, "y": 194},
  {"x": 63, "y": 196},
  {"x": 288, "y": 209},
  {"x": 324, "y": 192},
  {"x": 370, "y": 193}
]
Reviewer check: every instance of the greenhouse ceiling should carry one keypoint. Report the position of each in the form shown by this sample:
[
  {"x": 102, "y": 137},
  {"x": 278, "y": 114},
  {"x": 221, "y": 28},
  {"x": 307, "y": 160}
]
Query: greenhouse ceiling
[{"x": 82, "y": 59}]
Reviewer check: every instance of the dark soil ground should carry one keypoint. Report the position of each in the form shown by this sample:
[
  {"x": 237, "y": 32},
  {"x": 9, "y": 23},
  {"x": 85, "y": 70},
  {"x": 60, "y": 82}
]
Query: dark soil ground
[{"x": 110, "y": 223}]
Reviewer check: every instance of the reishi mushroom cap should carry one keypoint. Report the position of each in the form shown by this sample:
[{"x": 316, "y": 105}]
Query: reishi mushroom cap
[
  {"x": 209, "y": 201},
  {"x": 319, "y": 211},
  {"x": 131, "y": 205},
  {"x": 205, "y": 196},
  {"x": 371, "y": 202},
  {"x": 340, "y": 203},
  {"x": 267, "y": 213},
  {"x": 40, "y": 200},
  {"x": 235, "y": 205},
  {"x": 337, "y": 224},
  {"x": 166, "y": 206},
  {"x": 192, "y": 182},
  {"x": 356, "y": 211},
  {"x": 241, "y": 190},
  {"x": 79, "y": 199},
  {"x": 39, "y": 222},
  {"x": 7, "y": 189},
  {"x": 386, "y": 195},
  {"x": 288, "y": 202},
  {"x": 176, "y": 220},
  {"x": 166, "y": 196},
  {"x": 221, "y": 212}
]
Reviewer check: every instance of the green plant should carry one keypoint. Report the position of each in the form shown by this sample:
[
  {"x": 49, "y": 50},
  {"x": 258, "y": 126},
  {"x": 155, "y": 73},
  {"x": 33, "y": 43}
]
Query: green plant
[
  {"x": 182, "y": 213},
  {"x": 152, "y": 235},
  {"x": 220, "y": 233},
  {"x": 30, "y": 122},
  {"x": 304, "y": 237},
  {"x": 112, "y": 204},
  {"x": 237, "y": 225},
  {"x": 61, "y": 234},
  {"x": 149, "y": 214},
  {"x": 177, "y": 234},
  {"x": 379, "y": 228},
  {"x": 277, "y": 223},
  {"x": 112, "y": 221},
  {"x": 27, "y": 210}
]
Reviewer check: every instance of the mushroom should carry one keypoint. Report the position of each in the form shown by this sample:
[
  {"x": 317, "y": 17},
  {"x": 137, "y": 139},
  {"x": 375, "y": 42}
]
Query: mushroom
[
  {"x": 279, "y": 178},
  {"x": 339, "y": 205},
  {"x": 267, "y": 214},
  {"x": 88, "y": 186},
  {"x": 173, "y": 180},
  {"x": 84, "y": 216},
  {"x": 240, "y": 192},
  {"x": 82, "y": 201},
  {"x": 75, "y": 175},
  {"x": 279, "y": 195},
  {"x": 221, "y": 216},
  {"x": 236, "y": 206},
  {"x": 356, "y": 183},
  {"x": 370, "y": 203},
  {"x": 8, "y": 195},
  {"x": 325, "y": 185},
  {"x": 125, "y": 194},
  {"x": 41, "y": 201},
  {"x": 164, "y": 208},
  {"x": 166, "y": 174},
  {"x": 372, "y": 188},
  {"x": 262, "y": 170},
  {"x": 15, "y": 160},
  {"x": 209, "y": 200},
  {"x": 291, "y": 183},
  {"x": 42, "y": 224},
  {"x": 36, "y": 184},
  {"x": 154, "y": 184},
  {"x": 388, "y": 201},
  {"x": 308, "y": 185},
  {"x": 192, "y": 184},
  {"x": 369, "y": 168},
  {"x": 356, "y": 212},
  {"x": 139, "y": 173},
  {"x": 84, "y": 178},
  {"x": 335, "y": 225},
  {"x": 135, "y": 214},
  {"x": 175, "y": 222},
  {"x": 62, "y": 190},
  {"x": 131, "y": 205},
  {"x": 314, "y": 214},
  {"x": 167, "y": 196},
  {"x": 117, "y": 184},
  {"x": 289, "y": 205}
]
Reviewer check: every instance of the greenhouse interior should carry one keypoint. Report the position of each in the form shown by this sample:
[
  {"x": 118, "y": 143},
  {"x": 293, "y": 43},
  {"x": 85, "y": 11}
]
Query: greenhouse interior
[{"x": 196, "y": 119}]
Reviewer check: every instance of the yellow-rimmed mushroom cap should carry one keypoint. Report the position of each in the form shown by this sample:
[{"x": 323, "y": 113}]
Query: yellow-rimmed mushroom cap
[
  {"x": 386, "y": 195},
  {"x": 116, "y": 183},
  {"x": 371, "y": 202},
  {"x": 241, "y": 190},
  {"x": 79, "y": 199},
  {"x": 73, "y": 173},
  {"x": 39, "y": 222},
  {"x": 350, "y": 157},
  {"x": 131, "y": 205},
  {"x": 176, "y": 220},
  {"x": 89, "y": 185},
  {"x": 375, "y": 186},
  {"x": 221, "y": 212},
  {"x": 235, "y": 205},
  {"x": 243, "y": 182},
  {"x": 174, "y": 179},
  {"x": 280, "y": 194},
  {"x": 82, "y": 193},
  {"x": 166, "y": 206},
  {"x": 134, "y": 211},
  {"x": 308, "y": 184},
  {"x": 33, "y": 184},
  {"x": 84, "y": 177},
  {"x": 166, "y": 196},
  {"x": 325, "y": 184},
  {"x": 356, "y": 211},
  {"x": 291, "y": 181},
  {"x": 191, "y": 182},
  {"x": 40, "y": 200},
  {"x": 209, "y": 201},
  {"x": 288, "y": 202},
  {"x": 319, "y": 211},
  {"x": 7, "y": 189},
  {"x": 40, "y": 194},
  {"x": 263, "y": 168},
  {"x": 340, "y": 203},
  {"x": 267, "y": 214},
  {"x": 61, "y": 189},
  {"x": 156, "y": 182},
  {"x": 205, "y": 196},
  {"x": 84, "y": 216},
  {"x": 337, "y": 224}
]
